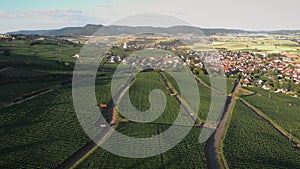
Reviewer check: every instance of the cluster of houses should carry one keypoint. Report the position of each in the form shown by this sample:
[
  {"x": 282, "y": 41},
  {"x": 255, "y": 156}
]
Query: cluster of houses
[
  {"x": 164, "y": 62},
  {"x": 4, "y": 37},
  {"x": 162, "y": 45},
  {"x": 276, "y": 72},
  {"x": 267, "y": 71}
]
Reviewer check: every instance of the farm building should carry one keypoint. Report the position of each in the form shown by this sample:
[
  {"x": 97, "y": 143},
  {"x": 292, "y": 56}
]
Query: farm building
[{"x": 103, "y": 105}]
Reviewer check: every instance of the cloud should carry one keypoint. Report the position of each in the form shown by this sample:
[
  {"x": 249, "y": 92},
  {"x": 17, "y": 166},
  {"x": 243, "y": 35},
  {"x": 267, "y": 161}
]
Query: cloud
[
  {"x": 250, "y": 15},
  {"x": 43, "y": 19}
]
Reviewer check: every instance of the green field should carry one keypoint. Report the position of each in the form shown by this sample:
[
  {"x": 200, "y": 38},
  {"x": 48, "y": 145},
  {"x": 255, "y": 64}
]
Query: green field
[
  {"x": 251, "y": 142},
  {"x": 42, "y": 128},
  {"x": 29, "y": 68},
  {"x": 48, "y": 121},
  {"x": 187, "y": 154},
  {"x": 205, "y": 97},
  {"x": 139, "y": 92},
  {"x": 281, "y": 108},
  {"x": 229, "y": 82},
  {"x": 268, "y": 45},
  {"x": 44, "y": 51},
  {"x": 11, "y": 91},
  {"x": 44, "y": 131}
]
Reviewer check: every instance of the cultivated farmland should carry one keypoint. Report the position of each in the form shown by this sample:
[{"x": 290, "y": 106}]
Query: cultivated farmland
[
  {"x": 281, "y": 108},
  {"x": 229, "y": 82},
  {"x": 44, "y": 127},
  {"x": 139, "y": 92},
  {"x": 205, "y": 97},
  {"x": 251, "y": 142},
  {"x": 188, "y": 154}
]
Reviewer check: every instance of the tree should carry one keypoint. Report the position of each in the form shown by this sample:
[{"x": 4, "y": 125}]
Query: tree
[
  {"x": 268, "y": 82},
  {"x": 6, "y": 52},
  {"x": 286, "y": 85},
  {"x": 275, "y": 72},
  {"x": 293, "y": 86},
  {"x": 297, "y": 88},
  {"x": 29, "y": 40},
  {"x": 276, "y": 84}
]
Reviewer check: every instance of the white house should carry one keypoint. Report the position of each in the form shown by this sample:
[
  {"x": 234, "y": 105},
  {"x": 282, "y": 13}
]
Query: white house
[
  {"x": 76, "y": 56},
  {"x": 125, "y": 46}
]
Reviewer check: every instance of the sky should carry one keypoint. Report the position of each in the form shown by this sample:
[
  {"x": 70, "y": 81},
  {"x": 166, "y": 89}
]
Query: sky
[{"x": 239, "y": 14}]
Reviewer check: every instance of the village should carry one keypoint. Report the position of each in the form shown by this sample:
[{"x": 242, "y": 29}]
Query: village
[
  {"x": 276, "y": 72},
  {"x": 270, "y": 72}
]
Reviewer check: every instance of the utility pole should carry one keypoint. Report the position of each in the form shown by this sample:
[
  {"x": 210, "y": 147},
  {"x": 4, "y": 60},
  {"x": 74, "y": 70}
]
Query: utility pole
[{"x": 290, "y": 136}]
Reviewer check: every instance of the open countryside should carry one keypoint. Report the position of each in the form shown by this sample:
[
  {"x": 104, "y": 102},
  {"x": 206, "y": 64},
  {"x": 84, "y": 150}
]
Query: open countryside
[{"x": 149, "y": 90}]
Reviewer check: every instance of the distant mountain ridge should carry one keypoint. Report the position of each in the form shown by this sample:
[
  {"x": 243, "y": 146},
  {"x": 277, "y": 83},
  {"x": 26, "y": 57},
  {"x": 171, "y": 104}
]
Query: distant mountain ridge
[{"x": 90, "y": 29}]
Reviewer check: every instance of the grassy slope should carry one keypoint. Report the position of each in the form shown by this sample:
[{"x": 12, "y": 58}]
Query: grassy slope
[
  {"x": 250, "y": 142},
  {"x": 41, "y": 57},
  {"x": 40, "y": 51},
  {"x": 38, "y": 58}
]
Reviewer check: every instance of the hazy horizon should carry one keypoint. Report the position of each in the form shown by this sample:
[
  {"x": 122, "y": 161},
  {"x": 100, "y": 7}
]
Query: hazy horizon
[
  {"x": 231, "y": 14},
  {"x": 154, "y": 27}
]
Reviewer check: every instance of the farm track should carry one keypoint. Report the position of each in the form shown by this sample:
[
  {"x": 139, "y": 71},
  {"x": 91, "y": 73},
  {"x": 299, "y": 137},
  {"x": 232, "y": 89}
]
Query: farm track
[
  {"x": 32, "y": 94},
  {"x": 213, "y": 145},
  {"x": 92, "y": 146},
  {"x": 181, "y": 101},
  {"x": 295, "y": 142},
  {"x": 118, "y": 97},
  {"x": 208, "y": 86},
  {"x": 160, "y": 153},
  {"x": 85, "y": 150}
]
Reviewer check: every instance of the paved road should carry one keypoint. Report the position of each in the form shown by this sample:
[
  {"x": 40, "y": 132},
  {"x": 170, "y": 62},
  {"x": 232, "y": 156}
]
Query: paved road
[{"x": 212, "y": 148}]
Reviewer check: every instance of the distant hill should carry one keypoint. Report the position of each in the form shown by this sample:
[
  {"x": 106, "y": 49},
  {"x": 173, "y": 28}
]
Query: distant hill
[
  {"x": 86, "y": 30},
  {"x": 90, "y": 29},
  {"x": 31, "y": 32},
  {"x": 283, "y": 32}
]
